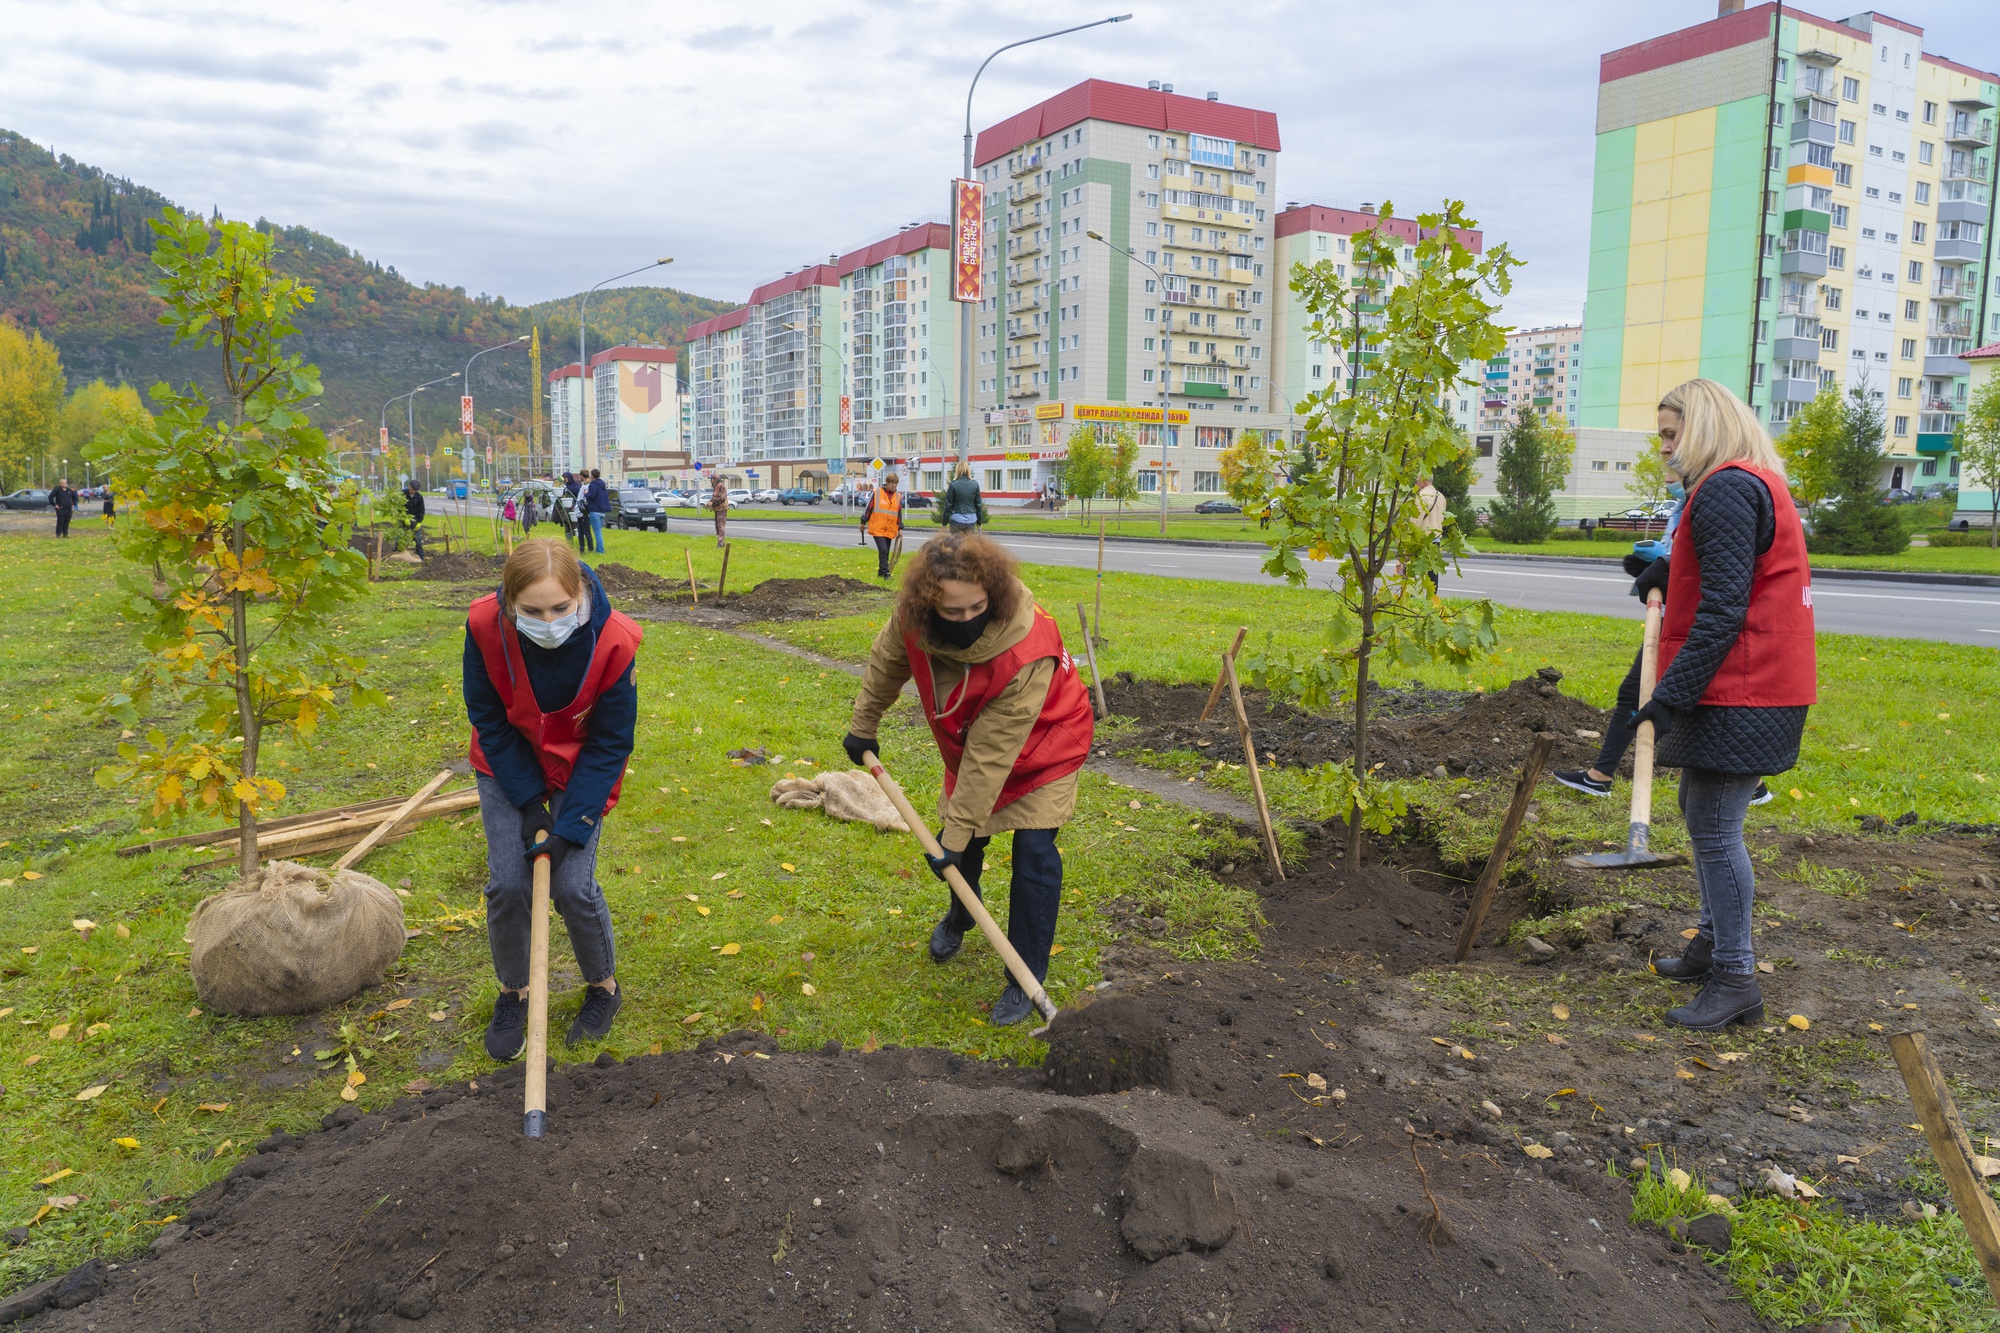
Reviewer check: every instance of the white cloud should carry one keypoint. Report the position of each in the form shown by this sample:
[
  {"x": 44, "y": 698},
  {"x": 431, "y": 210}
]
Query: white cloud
[{"x": 531, "y": 148}]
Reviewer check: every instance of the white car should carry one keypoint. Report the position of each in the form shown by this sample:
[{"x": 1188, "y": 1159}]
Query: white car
[
  {"x": 674, "y": 500},
  {"x": 738, "y": 496},
  {"x": 767, "y": 496}
]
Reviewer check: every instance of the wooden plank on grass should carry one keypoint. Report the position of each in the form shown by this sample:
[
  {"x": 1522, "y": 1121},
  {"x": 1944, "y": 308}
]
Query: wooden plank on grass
[
  {"x": 1952, "y": 1147},
  {"x": 417, "y": 798}
]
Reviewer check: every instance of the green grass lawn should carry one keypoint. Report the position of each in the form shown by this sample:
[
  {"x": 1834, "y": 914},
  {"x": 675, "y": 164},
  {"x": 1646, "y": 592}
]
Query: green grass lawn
[
  {"x": 1917, "y": 559},
  {"x": 807, "y": 902}
]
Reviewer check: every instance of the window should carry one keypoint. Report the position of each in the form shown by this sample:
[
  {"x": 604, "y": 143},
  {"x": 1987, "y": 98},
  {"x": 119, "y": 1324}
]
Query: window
[
  {"x": 1928, "y": 467},
  {"x": 1903, "y": 387},
  {"x": 1850, "y": 89},
  {"x": 1874, "y": 150},
  {"x": 1830, "y": 339},
  {"x": 1916, "y": 270},
  {"x": 1153, "y": 140},
  {"x": 1902, "y": 426},
  {"x": 1930, "y": 113},
  {"x": 1622, "y": 465},
  {"x": 1843, "y": 173},
  {"x": 1840, "y": 216},
  {"x": 1847, "y": 131},
  {"x": 1917, "y": 231},
  {"x": 1867, "y": 233},
  {"x": 1483, "y": 444},
  {"x": 1909, "y": 349},
  {"x": 1911, "y": 309},
  {"x": 1819, "y": 154},
  {"x": 1899, "y": 156},
  {"x": 1020, "y": 478},
  {"x": 1152, "y": 171},
  {"x": 1923, "y": 192},
  {"x": 992, "y": 478},
  {"x": 1600, "y": 465},
  {"x": 1831, "y": 295},
  {"x": 1207, "y": 483},
  {"x": 1872, "y": 192},
  {"x": 1926, "y": 152}
]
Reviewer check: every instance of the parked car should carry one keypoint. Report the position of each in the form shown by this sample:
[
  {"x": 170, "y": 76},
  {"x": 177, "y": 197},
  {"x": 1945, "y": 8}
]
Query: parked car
[
  {"x": 767, "y": 495},
  {"x": 916, "y": 500},
  {"x": 1900, "y": 495},
  {"x": 738, "y": 496},
  {"x": 34, "y": 498},
  {"x": 633, "y": 506},
  {"x": 799, "y": 495},
  {"x": 672, "y": 499},
  {"x": 1218, "y": 507}
]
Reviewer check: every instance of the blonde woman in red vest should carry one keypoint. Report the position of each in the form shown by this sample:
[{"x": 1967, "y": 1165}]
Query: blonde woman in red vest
[
  {"x": 1011, "y": 719},
  {"x": 549, "y": 690},
  {"x": 1737, "y": 675}
]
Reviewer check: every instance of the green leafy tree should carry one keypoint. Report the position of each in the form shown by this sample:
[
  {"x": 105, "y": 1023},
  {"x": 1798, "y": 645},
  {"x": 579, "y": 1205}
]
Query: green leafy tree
[
  {"x": 1453, "y": 480},
  {"x": 1812, "y": 446},
  {"x": 1856, "y": 522},
  {"x": 1121, "y": 464},
  {"x": 1533, "y": 464},
  {"x": 1083, "y": 475},
  {"x": 31, "y": 398},
  {"x": 89, "y": 412},
  {"x": 1249, "y": 470},
  {"x": 1978, "y": 446},
  {"x": 240, "y": 548},
  {"x": 1358, "y": 507},
  {"x": 1651, "y": 482}
]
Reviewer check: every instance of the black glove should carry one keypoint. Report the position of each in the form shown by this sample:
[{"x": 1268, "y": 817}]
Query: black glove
[
  {"x": 1651, "y": 577},
  {"x": 535, "y": 820},
  {"x": 556, "y": 848},
  {"x": 950, "y": 858},
  {"x": 1635, "y": 564},
  {"x": 857, "y": 746},
  {"x": 1657, "y": 713}
]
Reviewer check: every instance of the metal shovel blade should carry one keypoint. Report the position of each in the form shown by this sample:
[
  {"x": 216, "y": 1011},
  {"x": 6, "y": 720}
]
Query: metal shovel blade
[{"x": 1634, "y": 854}]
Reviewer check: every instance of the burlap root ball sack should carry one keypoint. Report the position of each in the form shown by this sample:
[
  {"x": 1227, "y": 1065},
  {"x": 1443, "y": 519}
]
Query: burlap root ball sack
[
  {"x": 852, "y": 795},
  {"x": 293, "y": 940}
]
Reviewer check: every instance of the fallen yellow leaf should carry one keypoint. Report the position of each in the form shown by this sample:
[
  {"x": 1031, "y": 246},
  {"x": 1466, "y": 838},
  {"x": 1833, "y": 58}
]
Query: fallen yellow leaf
[
  {"x": 1678, "y": 1178},
  {"x": 394, "y": 1005},
  {"x": 1055, "y": 949},
  {"x": 437, "y": 1015},
  {"x": 1799, "y": 1021},
  {"x": 1682, "y": 1073},
  {"x": 58, "y": 1032},
  {"x": 703, "y": 910},
  {"x": 348, "y": 1094},
  {"x": 1875, "y": 1027},
  {"x": 1536, "y": 1150},
  {"x": 83, "y": 924},
  {"x": 1796, "y": 794},
  {"x": 691, "y": 1019},
  {"x": 355, "y": 1078},
  {"x": 692, "y": 897},
  {"x": 720, "y": 874},
  {"x": 734, "y": 893},
  {"x": 757, "y": 1002},
  {"x": 1316, "y": 1082},
  {"x": 1731, "y": 1057},
  {"x": 33, "y": 1059},
  {"x": 31, "y": 948},
  {"x": 92, "y": 1093},
  {"x": 60, "y": 1175},
  {"x": 775, "y": 920},
  {"x": 126, "y": 1143},
  {"x": 1689, "y": 933},
  {"x": 786, "y": 865},
  {"x": 211, "y": 1106},
  {"x": 808, "y": 989},
  {"x": 31, "y": 874},
  {"x": 1560, "y": 1011},
  {"x": 731, "y": 948}
]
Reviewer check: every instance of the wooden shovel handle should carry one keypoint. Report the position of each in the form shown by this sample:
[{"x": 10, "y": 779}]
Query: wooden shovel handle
[
  {"x": 536, "y": 1101},
  {"x": 1642, "y": 750}
]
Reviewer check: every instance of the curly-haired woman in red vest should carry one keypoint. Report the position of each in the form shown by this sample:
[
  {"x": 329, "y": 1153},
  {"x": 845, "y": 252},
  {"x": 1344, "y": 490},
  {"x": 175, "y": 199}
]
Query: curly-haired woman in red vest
[
  {"x": 1737, "y": 675},
  {"x": 1011, "y": 718},
  {"x": 550, "y": 692}
]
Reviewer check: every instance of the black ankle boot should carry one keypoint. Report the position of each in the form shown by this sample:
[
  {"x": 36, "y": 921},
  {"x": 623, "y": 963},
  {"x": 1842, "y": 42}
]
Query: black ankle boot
[
  {"x": 1729, "y": 997},
  {"x": 1692, "y": 965}
]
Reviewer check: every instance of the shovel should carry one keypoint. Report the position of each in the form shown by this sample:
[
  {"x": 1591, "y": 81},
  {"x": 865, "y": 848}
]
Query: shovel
[
  {"x": 535, "y": 1119},
  {"x": 963, "y": 891},
  {"x": 1635, "y": 854}
]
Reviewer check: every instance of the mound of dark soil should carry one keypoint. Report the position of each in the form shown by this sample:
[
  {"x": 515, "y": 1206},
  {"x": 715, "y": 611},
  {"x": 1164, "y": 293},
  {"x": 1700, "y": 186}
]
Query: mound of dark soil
[
  {"x": 740, "y": 1189},
  {"x": 1413, "y": 730},
  {"x": 650, "y": 597},
  {"x": 460, "y": 567},
  {"x": 623, "y": 580}
]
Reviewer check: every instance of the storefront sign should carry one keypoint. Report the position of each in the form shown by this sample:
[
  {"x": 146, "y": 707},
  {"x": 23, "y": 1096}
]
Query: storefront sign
[
  {"x": 968, "y": 239},
  {"x": 1049, "y": 411},
  {"x": 1010, "y": 416},
  {"x": 1125, "y": 412},
  {"x": 1019, "y": 457}
]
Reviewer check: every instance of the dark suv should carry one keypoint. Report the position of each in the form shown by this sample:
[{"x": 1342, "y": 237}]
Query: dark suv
[{"x": 633, "y": 506}]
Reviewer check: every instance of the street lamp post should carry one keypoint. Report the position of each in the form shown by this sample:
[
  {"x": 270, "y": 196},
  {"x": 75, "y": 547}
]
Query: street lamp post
[
  {"x": 965, "y": 173},
  {"x": 467, "y": 386},
  {"x": 585, "y": 390},
  {"x": 1166, "y": 366},
  {"x": 411, "y": 414}
]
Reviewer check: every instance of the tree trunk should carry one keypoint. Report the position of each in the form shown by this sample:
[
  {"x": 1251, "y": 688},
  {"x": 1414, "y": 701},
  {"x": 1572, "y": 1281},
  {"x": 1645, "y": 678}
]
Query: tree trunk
[
  {"x": 1361, "y": 665},
  {"x": 1993, "y": 518}
]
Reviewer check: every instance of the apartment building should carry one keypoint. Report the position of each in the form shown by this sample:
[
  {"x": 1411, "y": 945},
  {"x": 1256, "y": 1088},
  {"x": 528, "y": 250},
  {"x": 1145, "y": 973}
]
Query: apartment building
[
  {"x": 566, "y": 418},
  {"x": 717, "y": 386},
  {"x": 1784, "y": 201},
  {"x": 898, "y": 333}
]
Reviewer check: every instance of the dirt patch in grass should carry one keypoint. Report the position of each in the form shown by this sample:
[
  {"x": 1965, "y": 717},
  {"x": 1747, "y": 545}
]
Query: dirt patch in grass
[
  {"x": 1413, "y": 731},
  {"x": 649, "y": 597},
  {"x": 460, "y": 567}
]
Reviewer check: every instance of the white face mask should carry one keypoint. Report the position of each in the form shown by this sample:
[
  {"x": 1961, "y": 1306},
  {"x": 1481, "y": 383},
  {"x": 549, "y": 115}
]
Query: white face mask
[{"x": 550, "y": 633}]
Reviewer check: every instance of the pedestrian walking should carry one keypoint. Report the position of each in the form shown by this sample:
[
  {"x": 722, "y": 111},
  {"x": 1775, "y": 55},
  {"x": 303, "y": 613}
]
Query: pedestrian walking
[
  {"x": 550, "y": 694},
  {"x": 1011, "y": 721},
  {"x": 883, "y": 520},
  {"x": 718, "y": 503},
  {"x": 1737, "y": 675},
  {"x": 530, "y": 513},
  {"x": 63, "y": 499},
  {"x": 110, "y": 509},
  {"x": 413, "y": 515},
  {"x": 597, "y": 504},
  {"x": 961, "y": 508}
]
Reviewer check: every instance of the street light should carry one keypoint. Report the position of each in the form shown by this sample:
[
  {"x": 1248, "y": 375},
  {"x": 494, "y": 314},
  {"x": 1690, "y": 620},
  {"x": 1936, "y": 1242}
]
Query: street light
[
  {"x": 1166, "y": 369},
  {"x": 411, "y": 408},
  {"x": 583, "y": 362},
  {"x": 965, "y": 173},
  {"x": 467, "y": 386}
]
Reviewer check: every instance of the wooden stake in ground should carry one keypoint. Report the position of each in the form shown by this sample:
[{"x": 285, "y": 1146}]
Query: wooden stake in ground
[
  {"x": 387, "y": 826},
  {"x": 1250, "y": 761},
  {"x": 1090, "y": 654},
  {"x": 375, "y": 560},
  {"x": 961, "y": 890},
  {"x": 535, "y": 1102},
  {"x": 1488, "y": 883},
  {"x": 1221, "y": 678},
  {"x": 1097, "y": 622},
  {"x": 722, "y": 579},
  {"x": 510, "y": 541},
  {"x": 1952, "y": 1148},
  {"x": 692, "y": 591}
]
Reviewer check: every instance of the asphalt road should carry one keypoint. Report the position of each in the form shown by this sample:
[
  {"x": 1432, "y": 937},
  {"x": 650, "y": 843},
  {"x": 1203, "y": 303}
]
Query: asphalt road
[{"x": 1941, "y": 612}]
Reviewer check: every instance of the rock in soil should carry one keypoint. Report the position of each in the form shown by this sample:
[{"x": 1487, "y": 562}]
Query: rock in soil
[{"x": 1711, "y": 1231}]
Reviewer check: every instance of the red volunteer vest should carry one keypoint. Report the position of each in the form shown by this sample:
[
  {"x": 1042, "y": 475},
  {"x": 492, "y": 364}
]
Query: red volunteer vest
[
  {"x": 1060, "y": 740},
  {"x": 1772, "y": 664},
  {"x": 557, "y": 737}
]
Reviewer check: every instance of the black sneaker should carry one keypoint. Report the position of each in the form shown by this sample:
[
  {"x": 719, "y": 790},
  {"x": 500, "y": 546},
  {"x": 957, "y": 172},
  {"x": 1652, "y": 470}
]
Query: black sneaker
[
  {"x": 507, "y": 1033},
  {"x": 1580, "y": 779},
  {"x": 1762, "y": 796},
  {"x": 1012, "y": 1006},
  {"x": 945, "y": 942},
  {"x": 593, "y": 1021}
]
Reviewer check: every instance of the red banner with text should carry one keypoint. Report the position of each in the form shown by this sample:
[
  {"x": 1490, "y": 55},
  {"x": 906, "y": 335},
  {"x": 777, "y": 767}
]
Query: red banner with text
[{"x": 968, "y": 239}]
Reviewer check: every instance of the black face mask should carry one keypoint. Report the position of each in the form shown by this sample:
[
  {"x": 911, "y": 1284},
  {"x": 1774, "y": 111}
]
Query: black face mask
[{"x": 958, "y": 633}]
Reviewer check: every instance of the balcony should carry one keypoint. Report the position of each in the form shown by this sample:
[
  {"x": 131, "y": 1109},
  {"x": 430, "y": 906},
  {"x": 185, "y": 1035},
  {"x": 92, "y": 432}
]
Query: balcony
[
  {"x": 1929, "y": 442},
  {"x": 1021, "y": 247},
  {"x": 1804, "y": 304},
  {"x": 1027, "y": 165},
  {"x": 1950, "y": 328},
  {"x": 1794, "y": 390},
  {"x": 1025, "y": 191},
  {"x": 1947, "y": 286},
  {"x": 1964, "y": 130}
]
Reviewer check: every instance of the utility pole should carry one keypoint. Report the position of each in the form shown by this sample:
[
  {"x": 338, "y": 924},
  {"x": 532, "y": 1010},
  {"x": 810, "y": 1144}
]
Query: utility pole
[{"x": 535, "y": 389}]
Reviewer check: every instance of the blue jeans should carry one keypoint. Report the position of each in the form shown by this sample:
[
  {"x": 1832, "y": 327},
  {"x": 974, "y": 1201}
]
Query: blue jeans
[
  {"x": 1032, "y": 901},
  {"x": 597, "y": 530},
  {"x": 1713, "y": 804},
  {"x": 510, "y": 887}
]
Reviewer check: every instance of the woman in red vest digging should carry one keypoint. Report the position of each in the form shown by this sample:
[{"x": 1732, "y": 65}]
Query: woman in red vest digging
[
  {"x": 1011, "y": 719},
  {"x": 1737, "y": 675},
  {"x": 550, "y": 692}
]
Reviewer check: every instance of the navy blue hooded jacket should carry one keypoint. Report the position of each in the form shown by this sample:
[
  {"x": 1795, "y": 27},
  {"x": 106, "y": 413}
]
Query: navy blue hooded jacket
[{"x": 556, "y": 674}]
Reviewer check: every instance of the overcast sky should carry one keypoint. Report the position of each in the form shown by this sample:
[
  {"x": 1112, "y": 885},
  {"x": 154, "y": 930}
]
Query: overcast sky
[{"x": 530, "y": 149}]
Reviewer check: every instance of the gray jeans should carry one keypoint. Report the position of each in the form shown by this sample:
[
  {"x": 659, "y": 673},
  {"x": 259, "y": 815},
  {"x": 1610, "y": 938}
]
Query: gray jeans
[
  {"x": 1713, "y": 804},
  {"x": 510, "y": 887}
]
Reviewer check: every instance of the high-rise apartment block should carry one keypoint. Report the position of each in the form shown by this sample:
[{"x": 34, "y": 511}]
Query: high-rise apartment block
[
  {"x": 1782, "y": 202},
  {"x": 631, "y": 419}
]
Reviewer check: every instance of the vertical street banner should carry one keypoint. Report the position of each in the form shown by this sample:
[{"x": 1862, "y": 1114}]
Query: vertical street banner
[
  {"x": 385, "y": 439},
  {"x": 968, "y": 239},
  {"x": 465, "y": 414},
  {"x": 846, "y": 415}
]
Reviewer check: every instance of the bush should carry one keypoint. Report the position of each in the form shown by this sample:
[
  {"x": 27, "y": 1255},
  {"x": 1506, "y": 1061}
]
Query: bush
[
  {"x": 1569, "y": 535},
  {"x": 1976, "y": 537}
]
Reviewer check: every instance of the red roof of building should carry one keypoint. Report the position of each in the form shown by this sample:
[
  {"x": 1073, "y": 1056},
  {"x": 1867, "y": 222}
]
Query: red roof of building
[
  {"x": 1703, "y": 39},
  {"x": 926, "y": 236},
  {"x": 568, "y": 372},
  {"x": 627, "y": 352},
  {"x": 1347, "y": 221},
  {"x": 1990, "y": 352},
  {"x": 720, "y": 324},
  {"x": 1955, "y": 67},
  {"x": 818, "y": 275},
  {"x": 1122, "y": 104}
]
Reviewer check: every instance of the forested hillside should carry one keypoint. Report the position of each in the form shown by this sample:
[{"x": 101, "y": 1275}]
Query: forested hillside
[{"x": 74, "y": 267}]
